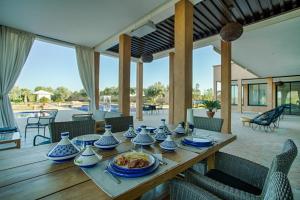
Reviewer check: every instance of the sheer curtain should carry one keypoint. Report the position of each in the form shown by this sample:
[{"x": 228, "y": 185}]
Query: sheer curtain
[
  {"x": 14, "y": 49},
  {"x": 85, "y": 62}
]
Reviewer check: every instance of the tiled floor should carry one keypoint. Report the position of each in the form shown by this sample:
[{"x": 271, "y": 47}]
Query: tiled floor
[{"x": 257, "y": 146}]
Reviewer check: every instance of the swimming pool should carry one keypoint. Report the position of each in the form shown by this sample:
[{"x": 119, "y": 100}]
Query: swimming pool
[{"x": 26, "y": 114}]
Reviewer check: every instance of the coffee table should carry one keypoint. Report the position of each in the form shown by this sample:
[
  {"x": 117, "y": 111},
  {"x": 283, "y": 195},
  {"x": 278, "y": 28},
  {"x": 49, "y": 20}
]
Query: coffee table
[{"x": 11, "y": 137}]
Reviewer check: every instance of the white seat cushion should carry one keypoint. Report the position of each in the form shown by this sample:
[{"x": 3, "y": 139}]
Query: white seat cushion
[
  {"x": 99, "y": 115},
  {"x": 112, "y": 114}
]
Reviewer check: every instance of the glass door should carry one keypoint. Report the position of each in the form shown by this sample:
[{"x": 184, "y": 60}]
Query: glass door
[
  {"x": 295, "y": 98},
  {"x": 289, "y": 94}
]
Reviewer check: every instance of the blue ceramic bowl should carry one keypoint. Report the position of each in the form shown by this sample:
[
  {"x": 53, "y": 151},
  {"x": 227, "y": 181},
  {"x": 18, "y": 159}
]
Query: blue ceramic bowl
[
  {"x": 114, "y": 171},
  {"x": 148, "y": 128}
]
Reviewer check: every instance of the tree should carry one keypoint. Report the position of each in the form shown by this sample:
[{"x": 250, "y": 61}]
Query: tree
[
  {"x": 26, "y": 94},
  {"x": 197, "y": 92},
  {"x": 78, "y": 96},
  {"x": 133, "y": 91},
  {"x": 15, "y": 95},
  {"x": 154, "y": 91},
  {"x": 44, "y": 100},
  {"x": 208, "y": 94},
  {"x": 48, "y": 89},
  {"x": 61, "y": 94}
]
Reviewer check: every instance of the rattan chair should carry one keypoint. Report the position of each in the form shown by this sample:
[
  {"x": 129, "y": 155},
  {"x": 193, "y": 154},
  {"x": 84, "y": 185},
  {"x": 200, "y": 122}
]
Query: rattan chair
[
  {"x": 75, "y": 128},
  {"x": 119, "y": 124},
  {"x": 279, "y": 188},
  {"x": 236, "y": 178},
  {"x": 211, "y": 124}
]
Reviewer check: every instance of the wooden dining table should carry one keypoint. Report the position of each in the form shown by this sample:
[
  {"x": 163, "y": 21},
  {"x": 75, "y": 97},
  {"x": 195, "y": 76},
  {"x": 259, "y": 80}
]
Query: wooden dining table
[{"x": 27, "y": 174}]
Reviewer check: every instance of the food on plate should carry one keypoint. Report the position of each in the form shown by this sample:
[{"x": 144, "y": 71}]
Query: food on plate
[{"x": 133, "y": 160}]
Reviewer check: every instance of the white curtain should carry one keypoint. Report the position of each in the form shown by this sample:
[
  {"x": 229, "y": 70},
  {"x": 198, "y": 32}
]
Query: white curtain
[
  {"x": 85, "y": 63},
  {"x": 14, "y": 48}
]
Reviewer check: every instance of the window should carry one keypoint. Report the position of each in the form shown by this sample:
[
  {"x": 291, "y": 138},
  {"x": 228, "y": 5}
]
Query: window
[
  {"x": 257, "y": 94},
  {"x": 234, "y": 94}
]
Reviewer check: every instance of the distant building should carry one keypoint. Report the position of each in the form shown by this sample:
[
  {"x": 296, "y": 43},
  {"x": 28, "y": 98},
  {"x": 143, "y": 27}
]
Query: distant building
[{"x": 41, "y": 93}]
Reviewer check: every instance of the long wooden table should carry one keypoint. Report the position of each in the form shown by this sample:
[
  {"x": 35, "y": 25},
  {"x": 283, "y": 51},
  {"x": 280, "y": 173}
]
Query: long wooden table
[{"x": 27, "y": 174}]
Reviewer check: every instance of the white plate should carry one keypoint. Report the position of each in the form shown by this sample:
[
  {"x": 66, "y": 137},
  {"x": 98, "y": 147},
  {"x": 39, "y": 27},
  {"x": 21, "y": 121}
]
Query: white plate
[
  {"x": 198, "y": 140},
  {"x": 106, "y": 147},
  {"x": 145, "y": 144},
  {"x": 62, "y": 158}
]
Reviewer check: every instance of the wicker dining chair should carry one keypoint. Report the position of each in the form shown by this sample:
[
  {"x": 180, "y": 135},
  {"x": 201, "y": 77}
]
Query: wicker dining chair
[
  {"x": 278, "y": 189},
  {"x": 236, "y": 178},
  {"x": 75, "y": 128},
  {"x": 119, "y": 124},
  {"x": 211, "y": 124}
]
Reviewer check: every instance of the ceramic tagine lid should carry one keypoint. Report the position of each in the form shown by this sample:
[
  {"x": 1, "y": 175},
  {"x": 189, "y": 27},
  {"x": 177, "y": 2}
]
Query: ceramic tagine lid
[
  {"x": 164, "y": 126},
  {"x": 160, "y": 135},
  {"x": 64, "y": 150},
  {"x": 168, "y": 144},
  {"x": 107, "y": 139},
  {"x": 143, "y": 138},
  {"x": 179, "y": 129},
  {"x": 130, "y": 133},
  {"x": 88, "y": 158}
]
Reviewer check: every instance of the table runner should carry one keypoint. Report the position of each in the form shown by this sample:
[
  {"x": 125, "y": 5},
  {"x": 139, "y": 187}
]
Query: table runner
[{"x": 111, "y": 188}]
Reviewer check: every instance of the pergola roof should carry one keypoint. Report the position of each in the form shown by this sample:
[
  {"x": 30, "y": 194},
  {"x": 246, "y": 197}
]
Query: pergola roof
[{"x": 209, "y": 17}]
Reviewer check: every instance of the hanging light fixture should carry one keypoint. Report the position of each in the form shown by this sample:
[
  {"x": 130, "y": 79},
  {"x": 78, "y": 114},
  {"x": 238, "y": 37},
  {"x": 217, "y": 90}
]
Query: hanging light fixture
[
  {"x": 232, "y": 30},
  {"x": 147, "y": 58}
]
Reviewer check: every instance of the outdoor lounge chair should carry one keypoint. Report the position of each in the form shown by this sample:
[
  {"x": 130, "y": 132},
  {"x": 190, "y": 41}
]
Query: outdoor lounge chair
[
  {"x": 236, "y": 178},
  {"x": 278, "y": 188},
  {"x": 75, "y": 128},
  {"x": 268, "y": 120},
  {"x": 45, "y": 117},
  {"x": 119, "y": 124}
]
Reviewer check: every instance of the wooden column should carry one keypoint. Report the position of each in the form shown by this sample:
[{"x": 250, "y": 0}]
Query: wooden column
[
  {"x": 240, "y": 87},
  {"x": 139, "y": 91},
  {"x": 124, "y": 74},
  {"x": 171, "y": 87},
  {"x": 96, "y": 70},
  {"x": 226, "y": 86},
  {"x": 183, "y": 59},
  {"x": 270, "y": 93}
]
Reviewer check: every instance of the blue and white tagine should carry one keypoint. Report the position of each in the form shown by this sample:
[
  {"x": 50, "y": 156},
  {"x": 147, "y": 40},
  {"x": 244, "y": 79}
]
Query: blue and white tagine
[
  {"x": 160, "y": 135},
  {"x": 143, "y": 138},
  {"x": 130, "y": 133},
  {"x": 164, "y": 127},
  {"x": 179, "y": 129},
  {"x": 88, "y": 158},
  {"x": 168, "y": 144},
  {"x": 64, "y": 150},
  {"x": 107, "y": 140}
]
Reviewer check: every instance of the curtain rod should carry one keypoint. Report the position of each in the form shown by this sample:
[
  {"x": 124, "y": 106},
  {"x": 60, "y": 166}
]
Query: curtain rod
[{"x": 57, "y": 41}]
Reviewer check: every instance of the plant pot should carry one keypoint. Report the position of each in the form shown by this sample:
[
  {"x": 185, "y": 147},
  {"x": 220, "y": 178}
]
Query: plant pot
[{"x": 210, "y": 114}]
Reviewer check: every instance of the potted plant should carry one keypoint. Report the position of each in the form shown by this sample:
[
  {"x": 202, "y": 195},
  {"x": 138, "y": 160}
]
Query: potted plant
[{"x": 212, "y": 106}]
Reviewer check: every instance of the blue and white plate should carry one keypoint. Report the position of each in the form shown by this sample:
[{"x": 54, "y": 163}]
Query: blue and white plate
[
  {"x": 116, "y": 172},
  {"x": 199, "y": 144},
  {"x": 199, "y": 141},
  {"x": 133, "y": 170},
  {"x": 85, "y": 140},
  {"x": 148, "y": 128},
  {"x": 106, "y": 147}
]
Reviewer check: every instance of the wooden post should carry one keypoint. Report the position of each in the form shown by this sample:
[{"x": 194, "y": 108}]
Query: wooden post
[
  {"x": 226, "y": 86},
  {"x": 171, "y": 88},
  {"x": 240, "y": 87},
  {"x": 139, "y": 91},
  {"x": 97, "y": 68},
  {"x": 124, "y": 74},
  {"x": 183, "y": 59},
  {"x": 270, "y": 93}
]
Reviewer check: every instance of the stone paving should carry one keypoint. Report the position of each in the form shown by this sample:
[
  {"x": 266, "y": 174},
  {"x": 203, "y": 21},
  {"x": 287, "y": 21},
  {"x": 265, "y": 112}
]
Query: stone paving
[{"x": 255, "y": 145}]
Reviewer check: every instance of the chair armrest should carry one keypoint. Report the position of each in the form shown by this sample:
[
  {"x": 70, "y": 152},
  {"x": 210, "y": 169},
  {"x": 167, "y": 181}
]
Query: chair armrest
[
  {"x": 45, "y": 120},
  {"x": 219, "y": 189},
  {"x": 245, "y": 170},
  {"x": 30, "y": 120},
  {"x": 183, "y": 190},
  {"x": 47, "y": 140}
]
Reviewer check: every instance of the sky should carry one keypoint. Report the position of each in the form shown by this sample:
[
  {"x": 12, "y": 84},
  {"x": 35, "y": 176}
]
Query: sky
[{"x": 54, "y": 65}]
